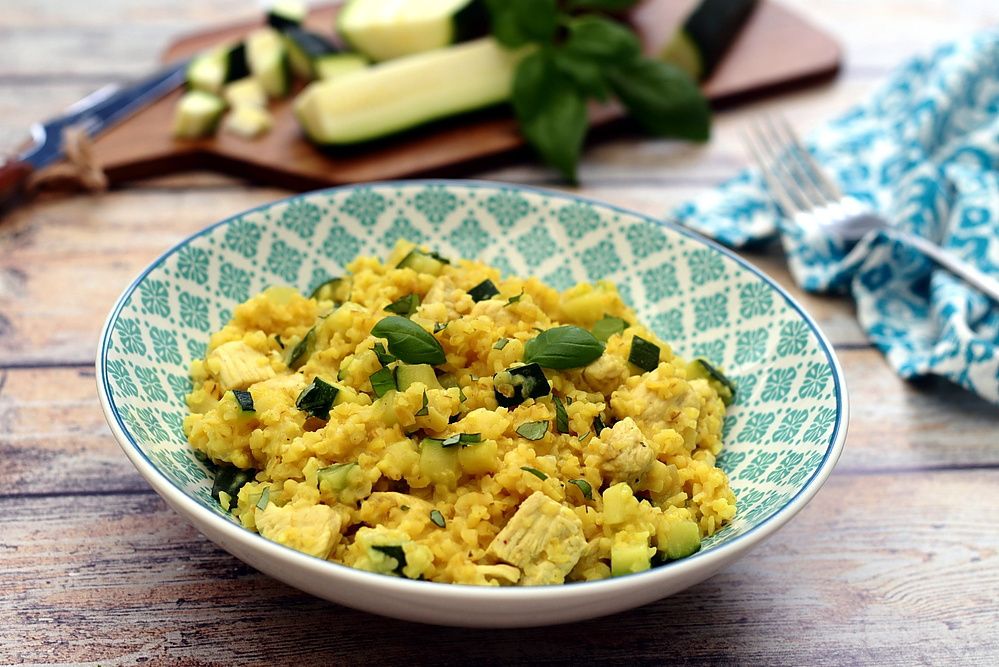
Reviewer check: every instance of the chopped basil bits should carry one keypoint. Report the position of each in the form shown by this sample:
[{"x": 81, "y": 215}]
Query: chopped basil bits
[
  {"x": 501, "y": 343},
  {"x": 382, "y": 381},
  {"x": 437, "y": 518},
  {"x": 533, "y": 430},
  {"x": 534, "y": 471},
  {"x": 583, "y": 486},
  {"x": 561, "y": 416},
  {"x": 405, "y": 306},
  {"x": 425, "y": 410}
]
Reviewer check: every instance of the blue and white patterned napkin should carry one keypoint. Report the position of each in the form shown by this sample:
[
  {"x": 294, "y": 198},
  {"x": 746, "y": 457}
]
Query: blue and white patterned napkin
[{"x": 923, "y": 151}]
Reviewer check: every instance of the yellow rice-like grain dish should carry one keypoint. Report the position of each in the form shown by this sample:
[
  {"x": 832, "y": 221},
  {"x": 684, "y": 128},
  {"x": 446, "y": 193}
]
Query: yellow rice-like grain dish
[{"x": 430, "y": 419}]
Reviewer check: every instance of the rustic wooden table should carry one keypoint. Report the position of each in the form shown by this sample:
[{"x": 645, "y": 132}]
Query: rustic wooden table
[{"x": 895, "y": 561}]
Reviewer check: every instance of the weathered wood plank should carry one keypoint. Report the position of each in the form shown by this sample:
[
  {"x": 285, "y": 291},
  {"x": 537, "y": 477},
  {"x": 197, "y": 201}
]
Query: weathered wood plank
[
  {"x": 854, "y": 579},
  {"x": 53, "y": 437}
]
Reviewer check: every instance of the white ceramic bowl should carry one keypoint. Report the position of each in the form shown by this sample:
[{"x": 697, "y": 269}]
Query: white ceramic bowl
[{"x": 783, "y": 436}]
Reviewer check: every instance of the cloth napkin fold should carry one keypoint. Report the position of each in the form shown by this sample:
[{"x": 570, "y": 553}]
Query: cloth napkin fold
[{"x": 924, "y": 152}]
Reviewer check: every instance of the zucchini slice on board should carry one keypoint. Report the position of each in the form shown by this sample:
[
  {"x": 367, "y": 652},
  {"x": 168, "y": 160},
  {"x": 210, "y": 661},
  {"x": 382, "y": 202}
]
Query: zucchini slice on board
[
  {"x": 284, "y": 14},
  {"x": 245, "y": 92},
  {"x": 248, "y": 121},
  {"x": 304, "y": 48},
  {"x": 406, "y": 92},
  {"x": 197, "y": 114},
  {"x": 698, "y": 46},
  {"x": 334, "y": 65},
  {"x": 211, "y": 70},
  {"x": 385, "y": 30},
  {"x": 267, "y": 56}
]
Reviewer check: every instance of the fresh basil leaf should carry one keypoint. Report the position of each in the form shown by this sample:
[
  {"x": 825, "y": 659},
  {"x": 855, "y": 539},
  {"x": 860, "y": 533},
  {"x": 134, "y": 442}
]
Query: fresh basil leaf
[
  {"x": 517, "y": 22},
  {"x": 244, "y": 399},
  {"x": 437, "y": 518},
  {"x": 382, "y": 381},
  {"x": 662, "y": 98},
  {"x": 533, "y": 430},
  {"x": 264, "y": 498},
  {"x": 317, "y": 398},
  {"x": 501, "y": 343},
  {"x": 644, "y": 354},
  {"x": 607, "y": 327},
  {"x": 551, "y": 111},
  {"x": 563, "y": 347},
  {"x": 425, "y": 410},
  {"x": 587, "y": 74},
  {"x": 409, "y": 341},
  {"x": 405, "y": 306},
  {"x": 534, "y": 471},
  {"x": 561, "y": 416},
  {"x": 597, "y": 38},
  {"x": 603, "y": 5},
  {"x": 384, "y": 358},
  {"x": 393, "y": 551},
  {"x": 583, "y": 486}
]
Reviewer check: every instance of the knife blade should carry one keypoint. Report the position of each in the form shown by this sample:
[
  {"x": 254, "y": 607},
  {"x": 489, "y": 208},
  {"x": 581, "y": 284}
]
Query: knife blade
[{"x": 93, "y": 114}]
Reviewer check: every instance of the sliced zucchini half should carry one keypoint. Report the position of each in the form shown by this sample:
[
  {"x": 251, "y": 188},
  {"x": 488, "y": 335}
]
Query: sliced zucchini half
[
  {"x": 699, "y": 45},
  {"x": 335, "y": 65},
  {"x": 284, "y": 14},
  {"x": 385, "y": 30},
  {"x": 406, "y": 92},
  {"x": 304, "y": 49},
  {"x": 267, "y": 56},
  {"x": 197, "y": 114},
  {"x": 210, "y": 71}
]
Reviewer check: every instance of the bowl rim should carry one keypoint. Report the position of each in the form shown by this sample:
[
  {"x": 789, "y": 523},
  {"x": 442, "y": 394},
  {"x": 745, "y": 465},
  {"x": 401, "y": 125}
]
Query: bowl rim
[{"x": 701, "y": 561}]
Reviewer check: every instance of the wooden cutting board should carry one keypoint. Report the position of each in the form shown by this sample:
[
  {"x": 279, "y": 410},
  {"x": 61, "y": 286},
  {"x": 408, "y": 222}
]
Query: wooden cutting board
[{"x": 777, "y": 48}]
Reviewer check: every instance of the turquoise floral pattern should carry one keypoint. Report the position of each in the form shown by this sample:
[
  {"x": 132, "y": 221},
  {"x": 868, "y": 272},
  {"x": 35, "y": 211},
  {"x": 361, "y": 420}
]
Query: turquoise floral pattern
[
  {"x": 921, "y": 152},
  {"x": 507, "y": 207},
  {"x": 365, "y": 205},
  {"x": 301, "y": 217},
  {"x": 435, "y": 203},
  {"x": 696, "y": 299},
  {"x": 284, "y": 261}
]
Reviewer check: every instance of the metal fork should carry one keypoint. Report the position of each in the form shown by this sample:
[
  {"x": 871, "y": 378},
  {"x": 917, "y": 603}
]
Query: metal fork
[{"x": 809, "y": 196}]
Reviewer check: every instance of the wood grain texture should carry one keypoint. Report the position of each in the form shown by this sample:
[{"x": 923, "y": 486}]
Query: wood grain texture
[{"x": 852, "y": 580}]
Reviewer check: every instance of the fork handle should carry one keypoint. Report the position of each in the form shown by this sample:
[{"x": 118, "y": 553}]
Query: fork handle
[{"x": 986, "y": 284}]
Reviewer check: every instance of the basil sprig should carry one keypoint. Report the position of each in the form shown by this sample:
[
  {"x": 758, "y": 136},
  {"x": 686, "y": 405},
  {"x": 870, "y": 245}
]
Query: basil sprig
[
  {"x": 563, "y": 347},
  {"x": 578, "y": 56},
  {"x": 408, "y": 341}
]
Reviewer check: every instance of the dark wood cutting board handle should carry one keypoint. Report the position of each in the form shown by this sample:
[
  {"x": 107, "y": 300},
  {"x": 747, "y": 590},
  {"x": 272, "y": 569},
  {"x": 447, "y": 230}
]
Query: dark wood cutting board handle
[{"x": 13, "y": 177}]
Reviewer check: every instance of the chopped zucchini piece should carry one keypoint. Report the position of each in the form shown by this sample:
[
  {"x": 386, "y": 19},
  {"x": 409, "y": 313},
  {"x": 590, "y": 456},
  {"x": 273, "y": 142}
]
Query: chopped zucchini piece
[
  {"x": 706, "y": 35},
  {"x": 702, "y": 368},
  {"x": 336, "y": 65},
  {"x": 484, "y": 290},
  {"x": 206, "y": 72},
  {"x": 479, "y": 459},
  {"x": 407, "y": 92},
  {"x": 244, "y": 399},
  {"x": 683, "y": 539},
  {"x": 248, "y": 121},
  {"x": 301, "y": 352},
  {"x": 438, "y": 463},
  {"x": 229, "y": 479},
  {"x": 631, "y": 553},
  {"x": 197, "y": 114},
  {"x": 620, "y": 504},
  {"x": 245, "y": 92},
  {"x": 304, "y": 49},
  {"x": 336, "y": 290},
  {"x": 390, "y": 30},
  {"x": 423, "y": 262},
  {"x": 644, "y": 354},
  {"x": 317, "y": 398},
  {"x": 409, "y": 374},
  {"x": 515, "y": 385},
  {"x": 337, "y": 476},
  {"x": 285, "y": 14},
  {"x": 268, "y": 58}
]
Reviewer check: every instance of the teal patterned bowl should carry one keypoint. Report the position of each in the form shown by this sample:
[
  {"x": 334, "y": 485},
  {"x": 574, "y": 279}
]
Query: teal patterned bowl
[{"x": 783, "y": 436}]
